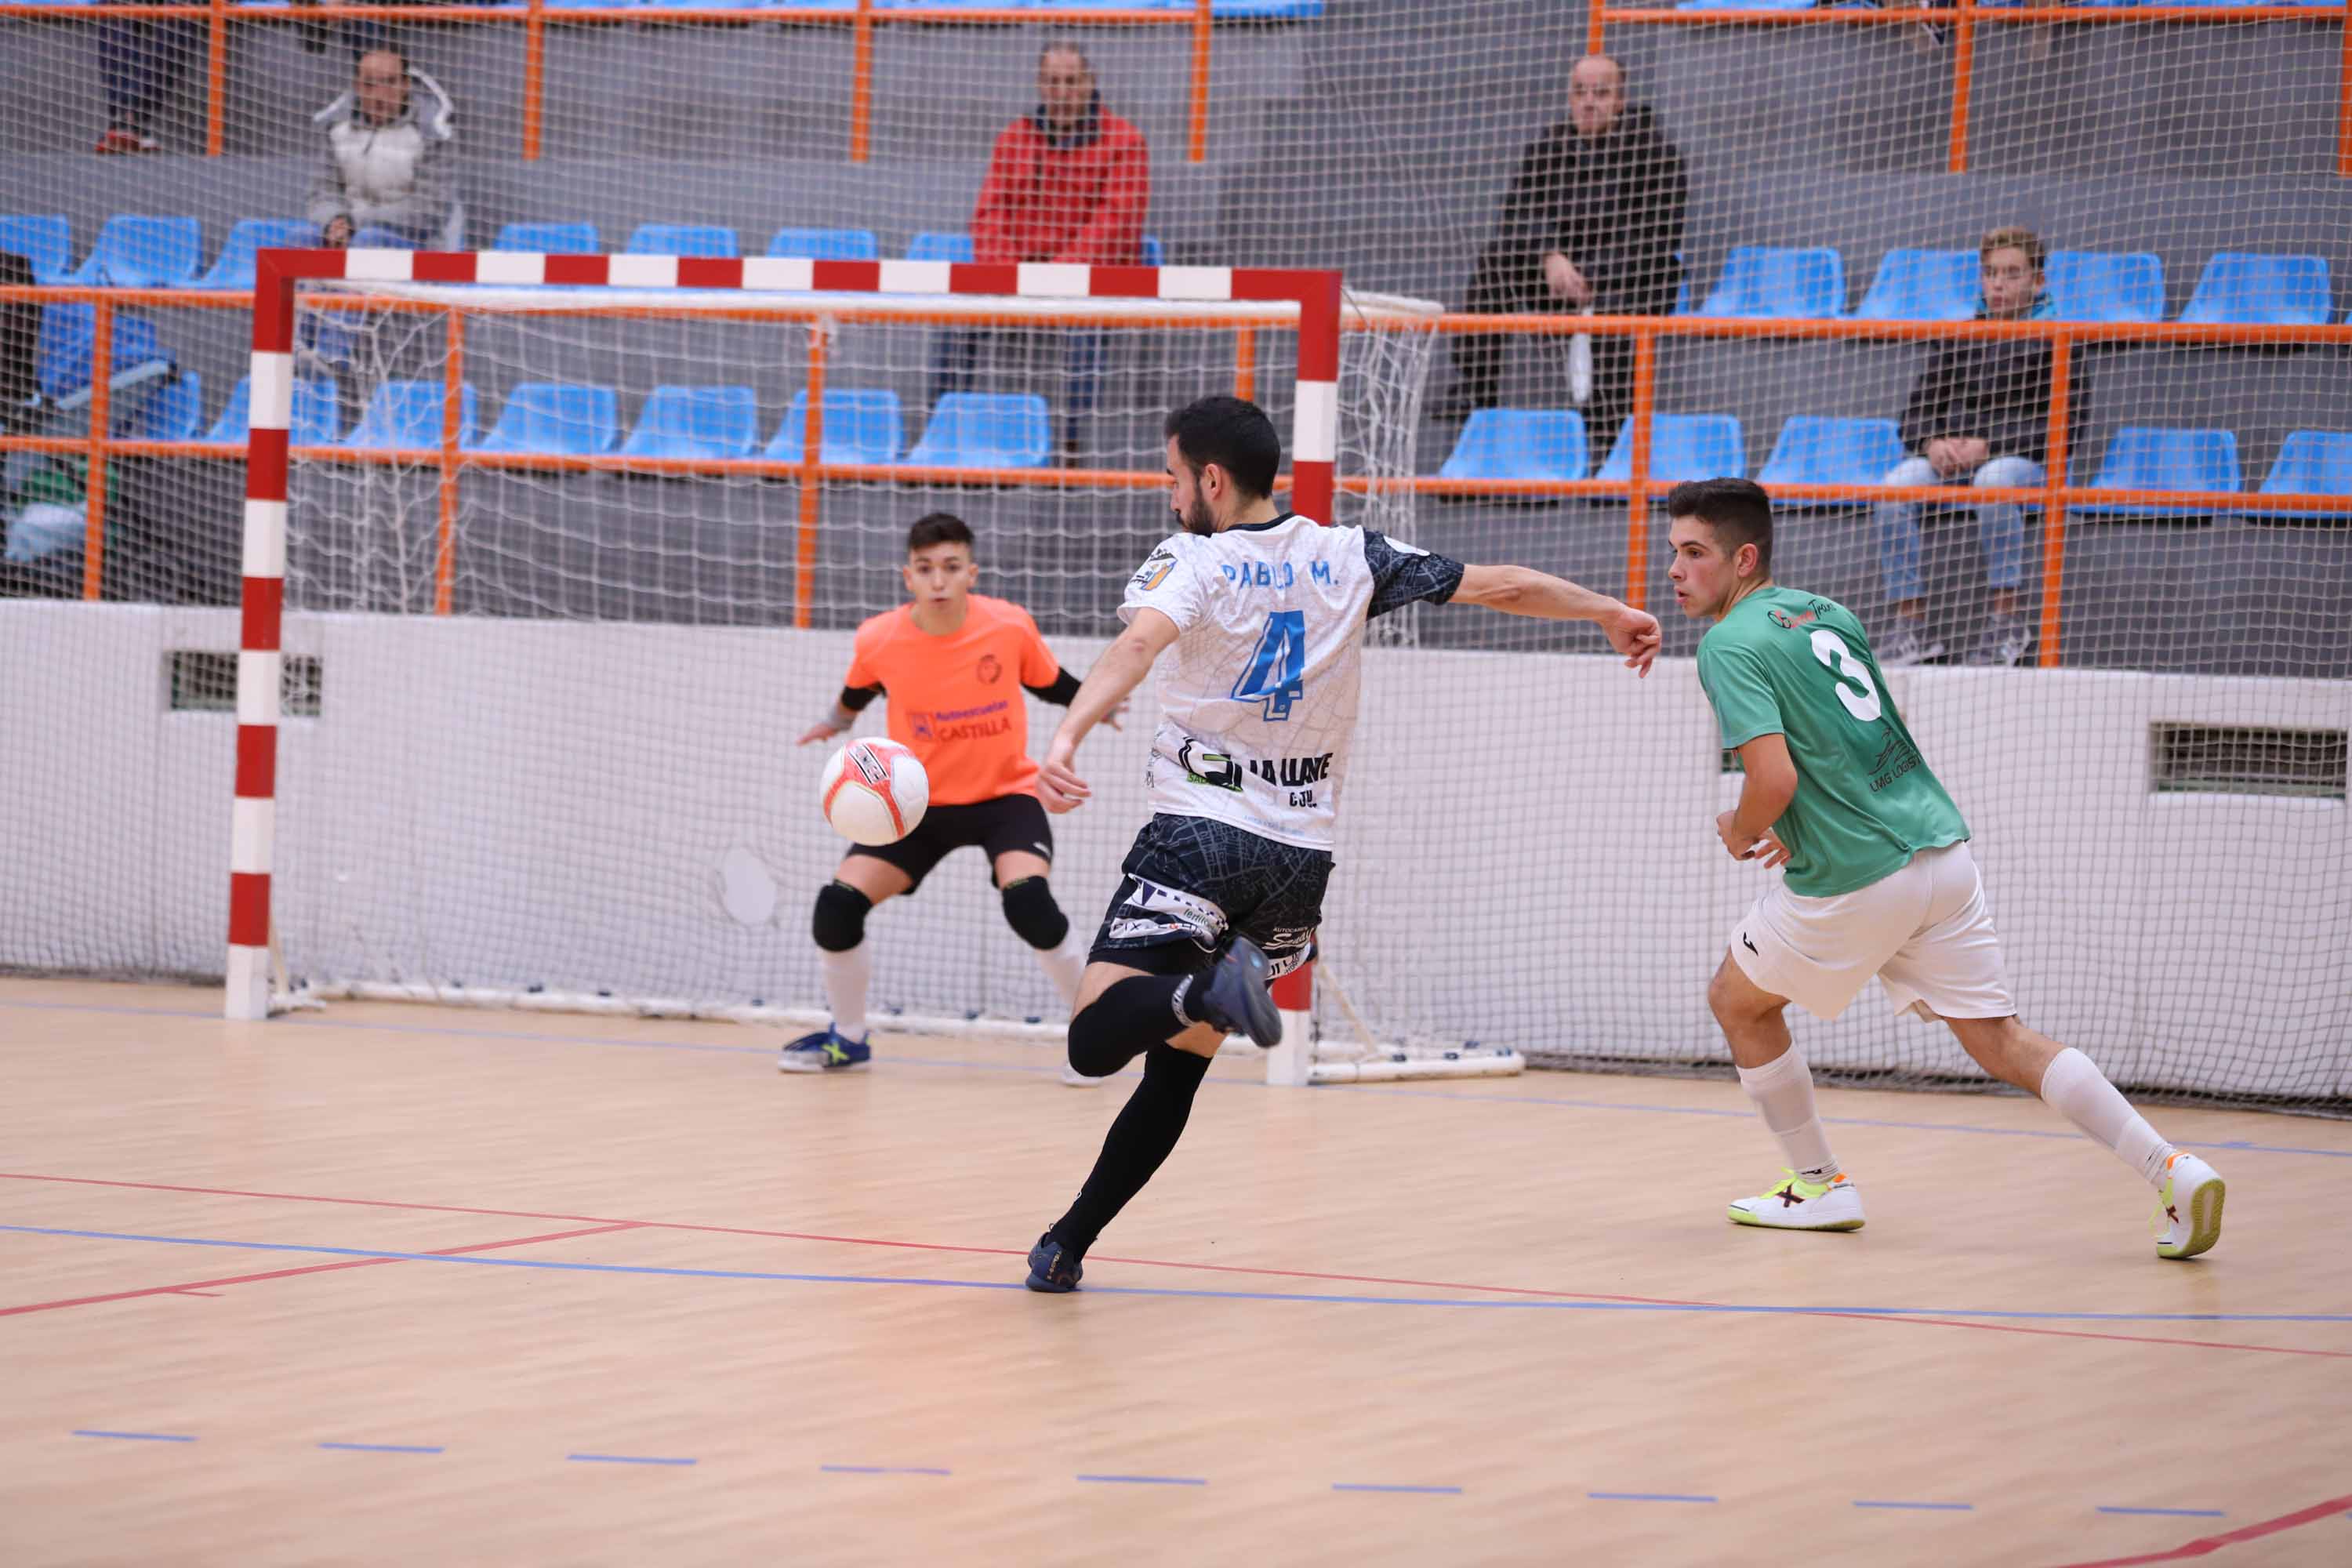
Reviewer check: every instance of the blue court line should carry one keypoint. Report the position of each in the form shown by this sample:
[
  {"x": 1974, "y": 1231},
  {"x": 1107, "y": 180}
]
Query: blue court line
[
  {"x": 1390, "y": 1091},
  {"x": 386, "y": 1448},
  {"x": 1648, "y": 1496},
  {"x": 1931, "y": 1507},
  {"x": 135, "y": 1436},
  {"x": 2169, "y": 1512},
  {"x": 623, "y": 1459},
  {"x": 882, "y": 1470},
  {"x": 1150, "y": 1480},
  {"x": 479, "y": 1260},
  {"x": 1369, "y": 1487}
]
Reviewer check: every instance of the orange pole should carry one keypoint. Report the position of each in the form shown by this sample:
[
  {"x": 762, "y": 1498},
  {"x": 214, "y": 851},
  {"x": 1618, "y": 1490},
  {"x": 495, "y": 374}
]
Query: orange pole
[
  {"x": 2054, "y": 509},
  {"x": 1245, "y": 364},
  {"x": 453, "y": 425},
  {"x": 534, "y": 77},
  {"x": 2344, "y": 103},
  {"x": 216, "y": 82},
  {"x": 1964, "y": 68},
  {"x": 1637, "y": 503},
  {"x": 861, "y": 85},
  {"x": 101, "y": 426},
  {"x": 1592, "y": 26},
  {"x": 811, "y": 482},
  {"x": 1198, "y": 144}
]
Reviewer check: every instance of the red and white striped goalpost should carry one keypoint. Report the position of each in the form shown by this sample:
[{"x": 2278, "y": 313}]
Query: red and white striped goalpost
[{"x": 1313, "y": 450}]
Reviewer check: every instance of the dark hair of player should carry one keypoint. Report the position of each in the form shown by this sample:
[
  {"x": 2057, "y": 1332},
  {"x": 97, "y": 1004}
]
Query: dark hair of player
[
  {"x": 1231, "y": 433},
  {"x": 937, "y": 528},
  {"x": 1737, "y": 510}
]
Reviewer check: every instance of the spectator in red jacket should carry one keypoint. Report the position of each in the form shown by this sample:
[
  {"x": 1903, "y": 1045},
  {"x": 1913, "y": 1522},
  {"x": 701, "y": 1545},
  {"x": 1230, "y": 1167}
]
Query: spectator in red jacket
[{"x": 1068, "y": 182}]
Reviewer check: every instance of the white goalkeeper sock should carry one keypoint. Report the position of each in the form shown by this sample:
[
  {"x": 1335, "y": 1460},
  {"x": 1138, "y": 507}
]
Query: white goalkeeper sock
[
  {"x": 1063, "y": 965},
  {"x": 1782, "y": 1090},
  {"x": 847, "y": 977},
  {"x": 2074, "y": 1088}
]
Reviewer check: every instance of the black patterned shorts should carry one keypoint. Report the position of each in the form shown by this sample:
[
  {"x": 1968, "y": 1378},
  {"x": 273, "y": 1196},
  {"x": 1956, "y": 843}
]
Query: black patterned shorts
[{"x": 1192, "y": 882}]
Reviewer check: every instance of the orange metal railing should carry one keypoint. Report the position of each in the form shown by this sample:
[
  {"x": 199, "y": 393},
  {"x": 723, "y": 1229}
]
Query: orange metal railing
[
  {"x": 1965, "y": 16},
  {"x": 534, "y": 18},
  {"x": 450, "y": 460}
]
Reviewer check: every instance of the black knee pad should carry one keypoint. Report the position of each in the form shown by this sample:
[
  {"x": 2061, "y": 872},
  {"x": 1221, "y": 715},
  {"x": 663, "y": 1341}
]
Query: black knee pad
[
  {"x": 841, "y": 912},
  {"x": 1034, "y": 917}
]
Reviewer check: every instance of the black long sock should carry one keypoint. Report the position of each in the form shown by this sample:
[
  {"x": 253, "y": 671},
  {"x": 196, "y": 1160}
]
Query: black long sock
[
  {"x": 1136, "y": 1144},
  {"x": 1126, "y": 1020}
]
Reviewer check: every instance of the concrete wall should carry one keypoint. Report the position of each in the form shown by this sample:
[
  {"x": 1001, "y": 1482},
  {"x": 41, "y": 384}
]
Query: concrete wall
[{"x": 501, "y": 803}]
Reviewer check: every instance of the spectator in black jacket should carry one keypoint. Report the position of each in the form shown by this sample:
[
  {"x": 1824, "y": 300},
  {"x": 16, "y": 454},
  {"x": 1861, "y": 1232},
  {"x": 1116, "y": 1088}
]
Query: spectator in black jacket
[
  {"x": 1980, "y": 413},
  {"x": 1593, "y": 220}
]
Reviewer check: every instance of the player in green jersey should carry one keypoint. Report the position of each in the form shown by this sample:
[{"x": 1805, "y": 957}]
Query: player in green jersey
[{"x": 1879, "y": 877}]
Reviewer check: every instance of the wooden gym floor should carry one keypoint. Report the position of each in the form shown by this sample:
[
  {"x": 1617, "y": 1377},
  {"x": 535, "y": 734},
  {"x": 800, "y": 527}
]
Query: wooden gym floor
[{"x": 391, "y": 1284}]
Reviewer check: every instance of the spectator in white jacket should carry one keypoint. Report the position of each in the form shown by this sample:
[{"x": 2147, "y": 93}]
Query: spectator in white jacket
[{"x": 389, "y": 143}]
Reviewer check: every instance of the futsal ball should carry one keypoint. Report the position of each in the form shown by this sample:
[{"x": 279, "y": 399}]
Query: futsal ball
[{"x": 875, "y": 792}]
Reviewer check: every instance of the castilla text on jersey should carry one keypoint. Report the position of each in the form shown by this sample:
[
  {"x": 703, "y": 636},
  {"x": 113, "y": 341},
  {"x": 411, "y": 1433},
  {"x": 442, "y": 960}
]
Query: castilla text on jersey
[
  {"x": 963, "y": 723},
  {"x": 1277, "y": 574}
]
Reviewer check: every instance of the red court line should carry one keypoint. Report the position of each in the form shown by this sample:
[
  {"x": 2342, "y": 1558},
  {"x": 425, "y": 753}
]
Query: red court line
[
  {"x": 195, "y": 1286},
  {"x": 1161, "y": 1263},
  {"x": 2206, "y": 1545}
]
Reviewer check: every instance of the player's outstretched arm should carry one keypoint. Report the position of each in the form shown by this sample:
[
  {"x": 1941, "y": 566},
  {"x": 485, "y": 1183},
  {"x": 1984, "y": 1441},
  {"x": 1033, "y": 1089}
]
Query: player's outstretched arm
[
  {"x": 1104, "y": 690},
  {"x": 1524, "y": 591},
  {"x": 1768, "y": 784}
]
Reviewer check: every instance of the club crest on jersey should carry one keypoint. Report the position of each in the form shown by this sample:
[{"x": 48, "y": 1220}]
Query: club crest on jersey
[
  {"x": 990, "y": 671},
  {"x": 1788, "y": 622},
  {"x": 1212, "y": 768},
  {"x": 1156, "y": 567}
]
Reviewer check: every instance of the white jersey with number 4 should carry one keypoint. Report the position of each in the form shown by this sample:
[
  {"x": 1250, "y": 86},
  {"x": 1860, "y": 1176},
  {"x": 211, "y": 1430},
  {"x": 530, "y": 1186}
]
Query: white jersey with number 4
[{"x": 1258, "y": 700}]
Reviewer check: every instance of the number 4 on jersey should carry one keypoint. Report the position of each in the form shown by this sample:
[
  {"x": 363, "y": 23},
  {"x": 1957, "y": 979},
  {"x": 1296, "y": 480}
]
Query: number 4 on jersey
[{"x": 1277, "y": 672}]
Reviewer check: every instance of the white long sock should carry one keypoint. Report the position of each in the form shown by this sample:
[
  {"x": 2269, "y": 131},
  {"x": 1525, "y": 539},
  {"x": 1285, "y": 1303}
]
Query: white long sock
[
  {"x": 1782, "y": 1090},
  {"x": 2074, "y": 1088},
  {"x": 847, "y": 977},
  {"x": 1063, "y": 965}
]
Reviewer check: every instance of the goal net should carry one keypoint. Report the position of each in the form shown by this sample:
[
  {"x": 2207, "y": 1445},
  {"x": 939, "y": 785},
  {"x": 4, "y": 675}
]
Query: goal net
[{"x": 591, "y": 556}]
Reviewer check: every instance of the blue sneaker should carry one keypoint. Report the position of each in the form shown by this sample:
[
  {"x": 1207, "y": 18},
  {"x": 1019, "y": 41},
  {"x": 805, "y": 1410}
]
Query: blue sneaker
[
  {"x": 825, "y": 1051},
  {"x": 1052, "y": 1268},
  {"x": 1235, "y": 996}
]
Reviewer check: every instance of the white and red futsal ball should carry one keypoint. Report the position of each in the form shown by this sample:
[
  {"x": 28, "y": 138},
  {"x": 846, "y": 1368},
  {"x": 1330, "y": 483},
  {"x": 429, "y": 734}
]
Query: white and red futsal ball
[{"x": 875, "y": 792}]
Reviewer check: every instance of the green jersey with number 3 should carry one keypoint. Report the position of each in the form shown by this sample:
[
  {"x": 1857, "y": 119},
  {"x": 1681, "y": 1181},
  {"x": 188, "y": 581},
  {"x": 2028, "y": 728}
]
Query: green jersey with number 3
[{"x": 1798, "y": 664}]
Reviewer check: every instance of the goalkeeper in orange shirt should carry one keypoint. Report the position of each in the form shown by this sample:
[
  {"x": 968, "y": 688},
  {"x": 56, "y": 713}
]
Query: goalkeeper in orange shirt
[{"x": 954, "y": 664}]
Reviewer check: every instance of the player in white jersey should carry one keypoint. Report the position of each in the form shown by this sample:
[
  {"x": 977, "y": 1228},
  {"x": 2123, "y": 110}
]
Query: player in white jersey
[{"x": 1266, "y": 610}]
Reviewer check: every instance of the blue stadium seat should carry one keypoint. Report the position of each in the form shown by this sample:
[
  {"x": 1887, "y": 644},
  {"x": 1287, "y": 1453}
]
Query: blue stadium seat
[
  {"x": 1520, "y": 444},
  {"x": 44, "y": 239},
  {"x": 549, "y": 239},
  {"x": 318, "y": 418},
  {"x": 1816, "y": 450},
  {"x": 2105, "y": 285},
  {"x": 2312, "y": 463},
  {"x": 407, "y": 414},
  {"x": 1762, "y": 281},
  {"x": 139, "y": 250},
  {"x": 860, "y": 427},
  {"x": 1744, "y": 6},
  {"x": 985, "y": 430},
  {"x": 68, "y": 337},
  {"x": 164, "y": 411},
  {"x": 234, "y": 266},
  {"x": 1923, "y": 286},
  {"x": 825, "y": 244},
  {"x": 936, "y": 245},
  {"x": 552, "y": 417},
  {"x": 1257, "y": 10},
  {"x": 681, "y": 239},
  {"x": 376, "y": 236},
  {"x": 1153, "y": 253},
  {"x": 2152, "y": 457},
  {"x": 2238, "y": 286},
  {"x": 696, "y": 422},
  {"x": 1683, "y": 447}
]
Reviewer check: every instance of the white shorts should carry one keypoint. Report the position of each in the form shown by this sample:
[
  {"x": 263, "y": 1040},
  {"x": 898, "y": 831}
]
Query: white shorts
[{"x": 1924, "y": 931}]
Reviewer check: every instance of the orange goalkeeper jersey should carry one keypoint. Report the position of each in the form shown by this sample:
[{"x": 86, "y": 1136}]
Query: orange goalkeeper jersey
[{"x": 957, "y": 698}]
